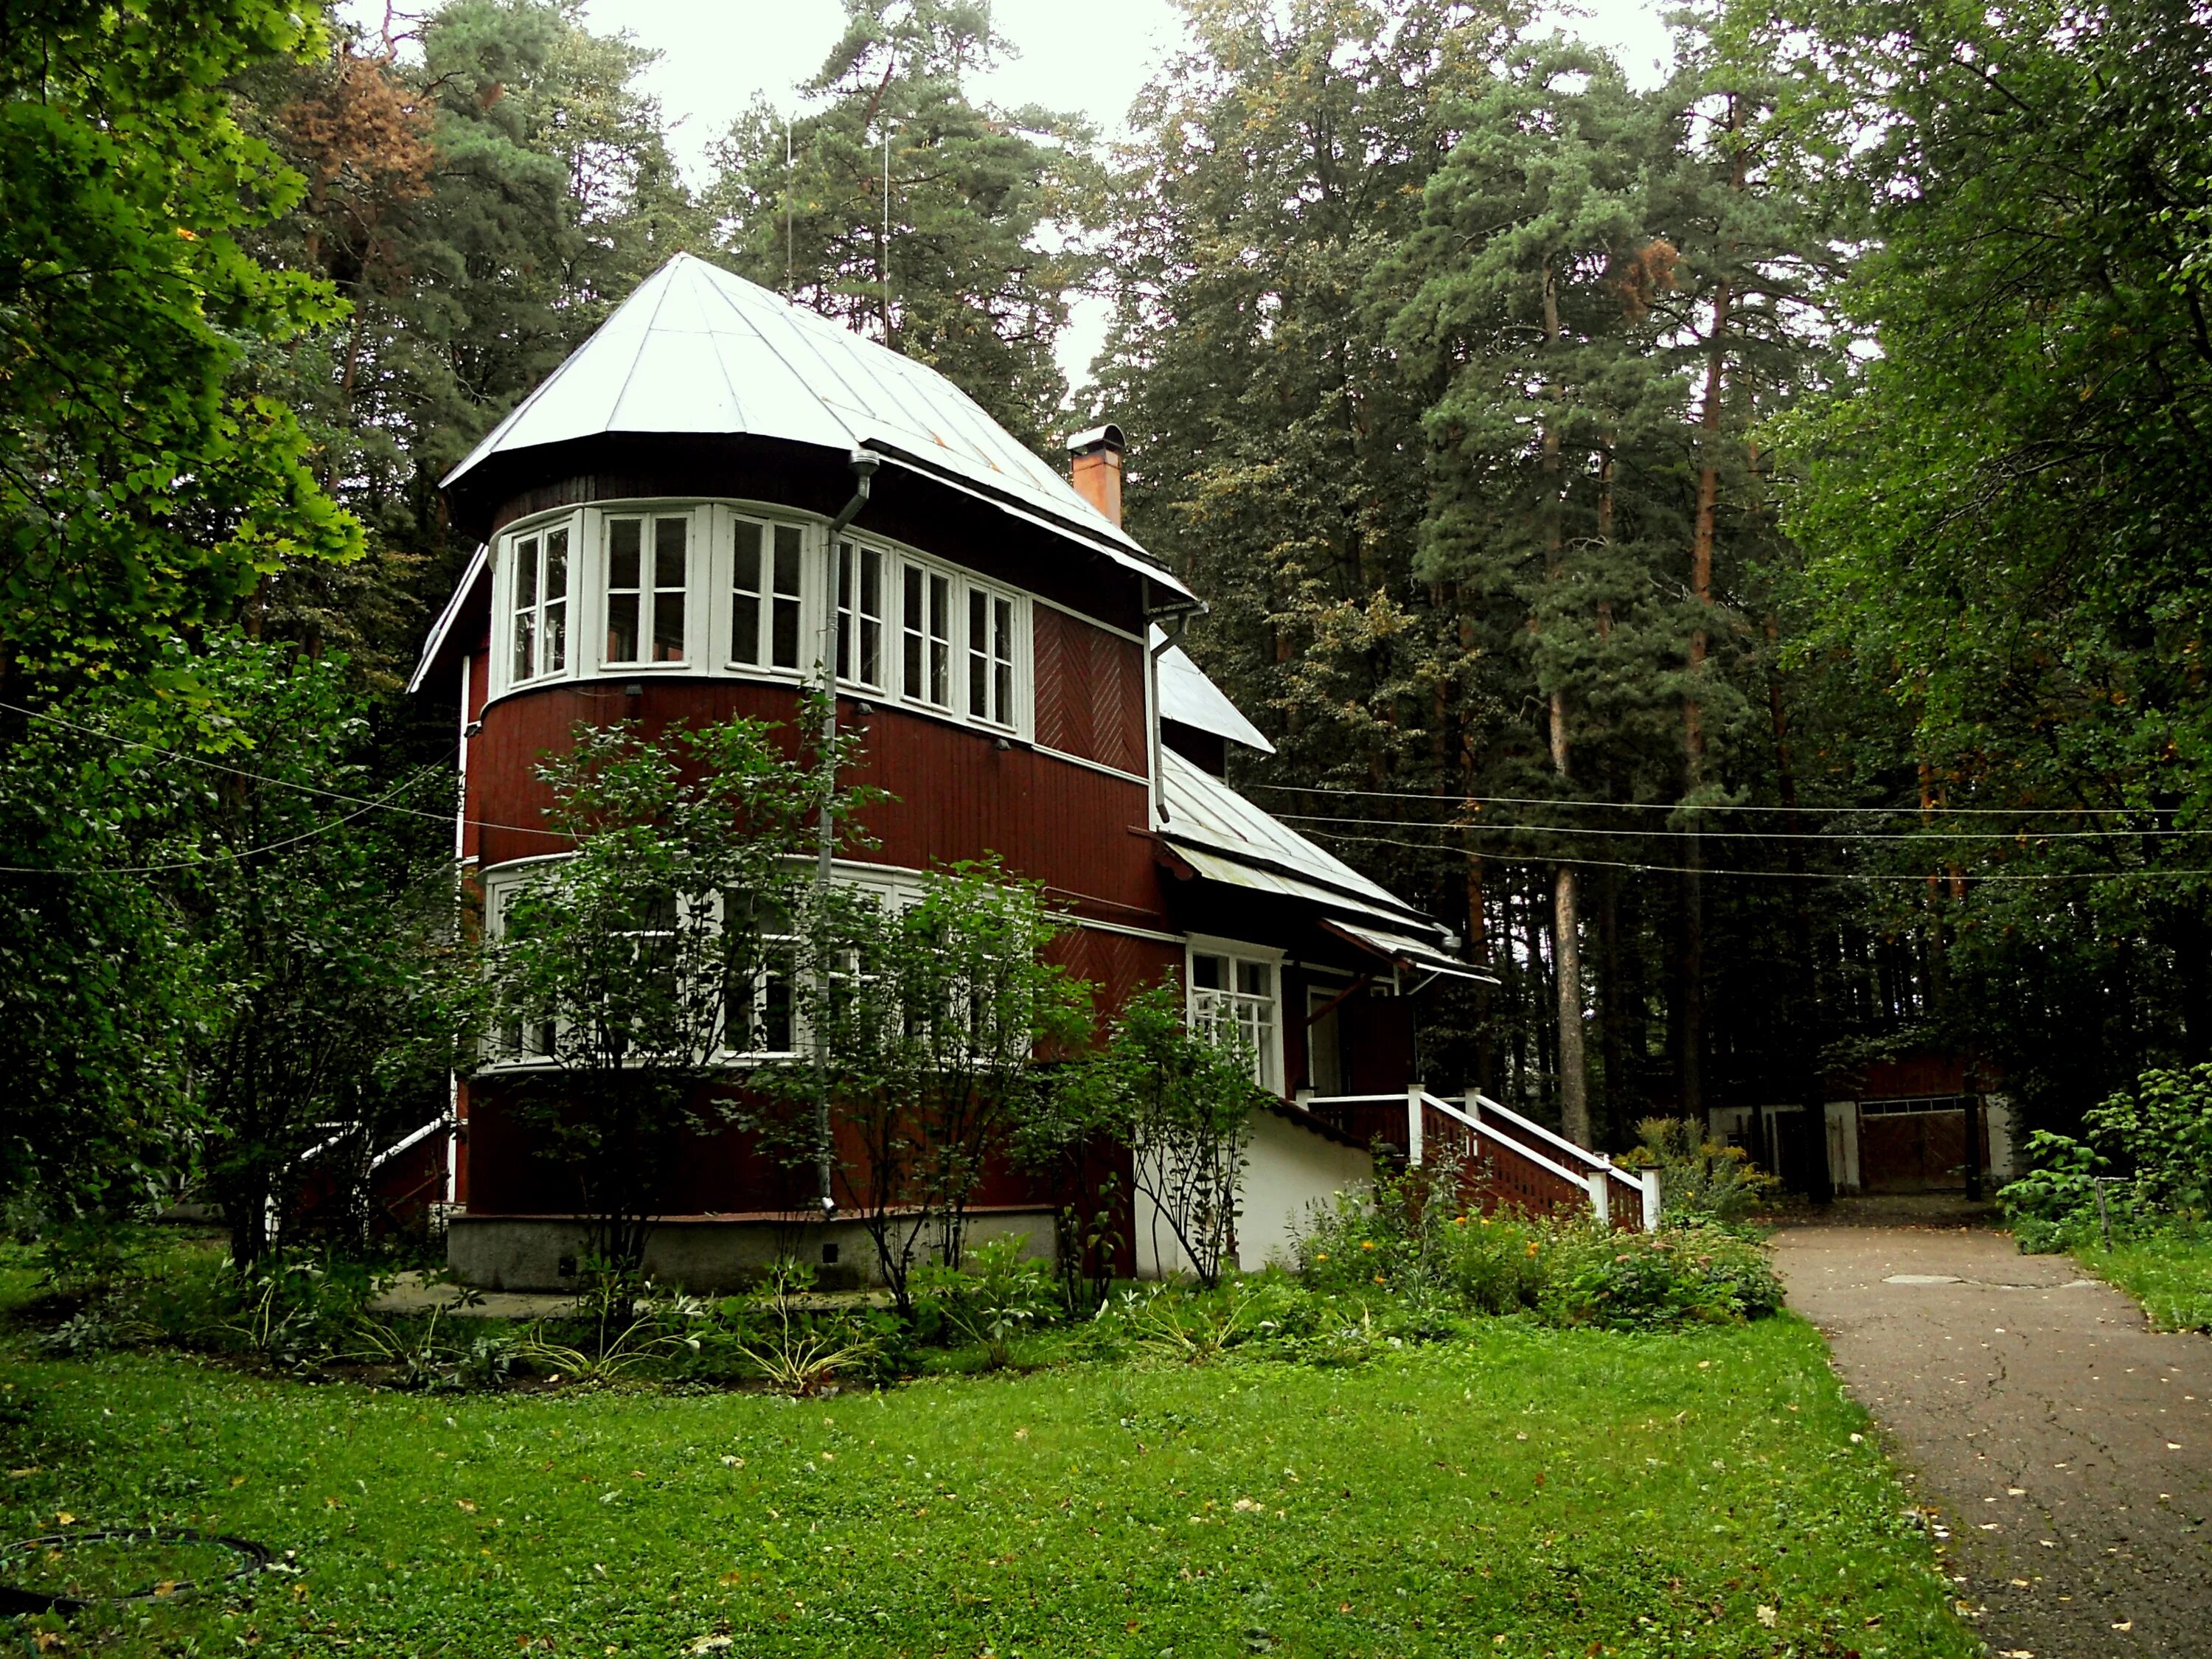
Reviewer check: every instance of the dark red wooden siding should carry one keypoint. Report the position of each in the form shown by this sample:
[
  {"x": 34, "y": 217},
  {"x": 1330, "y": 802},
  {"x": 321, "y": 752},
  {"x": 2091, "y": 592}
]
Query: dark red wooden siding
[
  {"x": 954, "y": 793},
  {"x": 1090, "y": 691}
]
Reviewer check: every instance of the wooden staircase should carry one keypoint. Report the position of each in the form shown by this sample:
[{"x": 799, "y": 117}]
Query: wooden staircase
[{"x": 1504, "y": 1158}]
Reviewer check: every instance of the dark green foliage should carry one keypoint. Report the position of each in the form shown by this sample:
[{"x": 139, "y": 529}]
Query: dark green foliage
[
  {"x": 1410, "y": 1238},
  {"x": 987, "y": 206},
  {"x": 142, "y": 489}
]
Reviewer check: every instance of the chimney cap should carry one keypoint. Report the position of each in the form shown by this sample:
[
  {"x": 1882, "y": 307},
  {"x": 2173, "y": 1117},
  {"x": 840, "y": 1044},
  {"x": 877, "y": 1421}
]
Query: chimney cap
[{"x": 1108, "y": 436}]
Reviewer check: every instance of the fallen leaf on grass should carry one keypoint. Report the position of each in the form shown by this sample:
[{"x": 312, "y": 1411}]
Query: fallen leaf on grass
[
  {"x": 465, "y": 1506},
  {"x": 1767, "y": 1616}
]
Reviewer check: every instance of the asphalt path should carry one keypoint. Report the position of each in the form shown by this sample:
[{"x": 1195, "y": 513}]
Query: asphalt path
[{"x": 2060, "y": 1450}]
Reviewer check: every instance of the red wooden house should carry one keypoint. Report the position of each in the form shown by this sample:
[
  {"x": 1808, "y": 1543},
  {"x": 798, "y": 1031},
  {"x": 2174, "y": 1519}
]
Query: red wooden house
[{"x": 656, "y": 526}]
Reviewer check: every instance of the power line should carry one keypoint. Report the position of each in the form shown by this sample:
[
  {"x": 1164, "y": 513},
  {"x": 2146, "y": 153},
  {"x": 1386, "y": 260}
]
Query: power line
[
  {"x": 234, "y": 854},
  {"x": 1679, "y": 806},
  {"x": 1776, "y": 875},
  {"x": 1743, "y": 835}
]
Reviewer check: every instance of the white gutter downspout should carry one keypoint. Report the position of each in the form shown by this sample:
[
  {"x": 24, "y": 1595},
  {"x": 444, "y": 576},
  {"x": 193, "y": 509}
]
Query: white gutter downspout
[{"x": 863, "y": 466}]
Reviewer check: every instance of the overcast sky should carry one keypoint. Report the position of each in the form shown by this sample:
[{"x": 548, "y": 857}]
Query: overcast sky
[{"x": 1087, "y": 55}]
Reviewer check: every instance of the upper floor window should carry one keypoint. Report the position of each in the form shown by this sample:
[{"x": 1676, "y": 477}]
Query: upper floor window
[
  {"x": 925, "y": 627},
  {"x": 649, "y": 575},
  {"x": 861, "y": 615},
  {"x": 767, "y": 578},
  {"x": 540, "y": 589},
  {"x": 718, "y": 588},
  {"x": 990, "y": 656}
]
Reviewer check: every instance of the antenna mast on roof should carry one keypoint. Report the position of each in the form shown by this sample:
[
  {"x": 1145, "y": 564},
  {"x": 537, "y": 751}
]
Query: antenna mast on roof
[
  {"x": 790, "y": 216},
  {"x": 884, "y": 247}
]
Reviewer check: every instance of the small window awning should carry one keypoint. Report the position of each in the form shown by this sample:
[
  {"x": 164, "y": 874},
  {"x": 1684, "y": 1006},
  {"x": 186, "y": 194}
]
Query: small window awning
[{"x": 1400, "y": 951}]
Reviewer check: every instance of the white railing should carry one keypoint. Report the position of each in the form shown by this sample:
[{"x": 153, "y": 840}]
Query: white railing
[{"x": 1593, "y": 1173}]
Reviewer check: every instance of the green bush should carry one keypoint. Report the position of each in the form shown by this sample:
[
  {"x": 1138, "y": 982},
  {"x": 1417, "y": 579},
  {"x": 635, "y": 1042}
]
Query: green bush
[
  {"x": 1704, "y": 1274},
  {"x": 1699, "y": 1179},
  {"x": 1410, "y": 1240},
  {"x": 2156, "y": 1141},
  {"x": 995, "y": 1297}
]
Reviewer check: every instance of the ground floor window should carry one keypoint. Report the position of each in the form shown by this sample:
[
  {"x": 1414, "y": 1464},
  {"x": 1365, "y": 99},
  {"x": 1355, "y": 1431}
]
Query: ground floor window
[{"x": 1235, "y": 1001}]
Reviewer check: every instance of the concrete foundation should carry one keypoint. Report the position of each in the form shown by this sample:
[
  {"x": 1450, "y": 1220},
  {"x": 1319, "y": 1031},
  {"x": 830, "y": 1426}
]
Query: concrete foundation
[{"x": 706, "y": 1255}]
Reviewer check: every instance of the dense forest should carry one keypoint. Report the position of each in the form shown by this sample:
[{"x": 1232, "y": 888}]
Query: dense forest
[{"x": 1733, "y": 547}]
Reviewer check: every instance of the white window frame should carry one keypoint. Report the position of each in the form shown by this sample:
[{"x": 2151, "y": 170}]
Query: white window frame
[
  {"x": 712, "y": 645},
  {"x": 1206, "y": 1008},
  {"x": 856, "y": 559},
  {"x": 777, "y": 537},
  {"x": 698, "y": 551}
]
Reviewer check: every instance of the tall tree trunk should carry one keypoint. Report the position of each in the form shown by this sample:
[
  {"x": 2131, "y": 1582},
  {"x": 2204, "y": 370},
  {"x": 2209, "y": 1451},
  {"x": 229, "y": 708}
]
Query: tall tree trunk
[
  {"x": 1566, "y": 938},
  {"x": 1812, "y": 1089},
  {"x": 1694, "y": 726}
]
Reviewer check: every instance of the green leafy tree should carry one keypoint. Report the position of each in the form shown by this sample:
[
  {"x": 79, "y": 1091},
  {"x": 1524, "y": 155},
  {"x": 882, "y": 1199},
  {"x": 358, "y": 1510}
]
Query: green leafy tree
[
  {"x": 630, "y": 971},
  {"x": 1183, "y": 1102},
  {"x": 2001, "y": 505},
  {"x": 987, "y": 206},
  {"x": 331, "y": 985},
  {"x": 146, "y": 483},
  {"x": 930, "y": 1021}
]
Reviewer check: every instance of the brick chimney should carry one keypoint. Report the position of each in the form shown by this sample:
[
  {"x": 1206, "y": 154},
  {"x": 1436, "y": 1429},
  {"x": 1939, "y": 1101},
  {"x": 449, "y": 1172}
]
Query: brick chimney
[{"x": 1094, "y": 464}]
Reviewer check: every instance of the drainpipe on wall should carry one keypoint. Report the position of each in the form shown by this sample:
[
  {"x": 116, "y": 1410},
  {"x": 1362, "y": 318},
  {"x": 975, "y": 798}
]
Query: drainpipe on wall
[{"x": 863, "y": 466}]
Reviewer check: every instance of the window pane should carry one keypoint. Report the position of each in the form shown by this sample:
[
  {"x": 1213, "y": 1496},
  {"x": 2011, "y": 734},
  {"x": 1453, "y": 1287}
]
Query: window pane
[
  {"x": 913, "y": 628},
  {"x": 844, "y": 610},
  {"x": 671, "y": 541},
  {"x": 623, "y": 539},
  {"x": 525, "y": 648},
  {"x": 872, "y": 616},
  {"x": 1208, "y": 973},
  {"x": 1254, "y": 978},
  {"x": 979, "y": 648},
  {"x": 668, "y": 627},
  {"x": 746, "y": 591},
  {"x": 1002, "y": 661},
  {"x": 785, "y": 622},
  {"x": 556, "y": 564},
  {"x": 940, "y": 644},
  {"x": 622, "y": 628},
  {"x": 555, "y": 643},
  {"x": 526, "y": 573}
]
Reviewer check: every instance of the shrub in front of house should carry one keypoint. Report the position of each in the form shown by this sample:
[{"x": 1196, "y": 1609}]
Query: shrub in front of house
[{"x": 1409, "y": 1238}]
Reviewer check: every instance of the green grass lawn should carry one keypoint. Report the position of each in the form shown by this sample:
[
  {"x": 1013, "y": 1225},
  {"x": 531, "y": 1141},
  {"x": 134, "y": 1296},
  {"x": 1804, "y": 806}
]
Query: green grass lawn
[
  {"x": 2170, "y": 1273},
  {"x": 1527, "y": 1492}
]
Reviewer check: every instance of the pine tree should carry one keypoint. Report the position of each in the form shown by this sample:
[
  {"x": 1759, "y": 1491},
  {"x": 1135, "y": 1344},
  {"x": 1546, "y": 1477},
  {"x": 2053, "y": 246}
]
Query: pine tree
[
  {"x": 968, "y": 264},
  {"x": 1535, "y": 270}
]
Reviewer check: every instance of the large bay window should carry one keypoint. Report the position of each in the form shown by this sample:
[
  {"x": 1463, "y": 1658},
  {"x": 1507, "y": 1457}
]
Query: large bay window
[
  {"x": 716, "y": 590},
  {"x": 1234, "y": 1002}
]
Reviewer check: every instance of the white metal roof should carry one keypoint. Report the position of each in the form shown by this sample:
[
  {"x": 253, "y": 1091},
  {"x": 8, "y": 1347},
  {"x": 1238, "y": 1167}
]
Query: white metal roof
[
  {"x": 697, "y": 350},
  {"x": 1186, "y": 696},
  {"x": 1402, "y": 951},
  {"x": 1228, "y": 839}
]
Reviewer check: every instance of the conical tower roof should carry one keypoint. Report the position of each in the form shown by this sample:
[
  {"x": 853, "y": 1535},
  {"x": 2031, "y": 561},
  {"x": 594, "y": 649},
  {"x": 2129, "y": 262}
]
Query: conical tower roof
[{"x": 696, "y": 350}]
